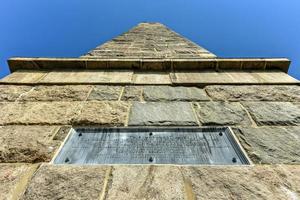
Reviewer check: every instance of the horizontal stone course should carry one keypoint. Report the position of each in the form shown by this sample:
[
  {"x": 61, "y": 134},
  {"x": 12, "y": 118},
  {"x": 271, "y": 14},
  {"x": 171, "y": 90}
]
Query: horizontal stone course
[
  {"x": 221, "y": 113},
  {"x": 271, "y": 145},
  {"x": 66, "y": 182},
  {"x": 105, "y": 92},
  {"x": 274, "y": 113},
  {"x": 132, "y": 93},
  {"x": 173, "y": 113},
  {"x": 167, "y": 93},
  {"x": 27, "y": 144},
  {"x": 254, "y": 93},
  {"x": 12, "y": 92}
]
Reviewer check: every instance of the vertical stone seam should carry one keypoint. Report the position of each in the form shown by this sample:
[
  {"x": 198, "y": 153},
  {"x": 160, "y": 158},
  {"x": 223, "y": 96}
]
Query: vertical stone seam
[
  {"x": 20, "y": 96},
  {"x": 42, "y": 77},
  {"x": 24, "y": 181},
  {"x": 142, "y": 99},
  {"x": 187, "y": 187},
  {"x": 195, "y": 113},
  {"x": 104, "y": 190},
  {"x": 207, "y": 94},
  {"x": 121, "y": 93},
  {"x": 128, "y": 113},
  {"x": 249, "y": 115},
  {"x": 89, "y": 93}
]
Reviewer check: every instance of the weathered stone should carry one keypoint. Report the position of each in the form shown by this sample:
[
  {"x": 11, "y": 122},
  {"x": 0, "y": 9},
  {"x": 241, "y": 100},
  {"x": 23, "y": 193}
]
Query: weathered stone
[
  {"x": 146, "y": 182},
  {"x": 259, "y": 182},
  {"x": 175, "y": 113},
  {"x": 95, "y": 76},
  {"x": 275, "y": 145},
  {"x": 105, "y": 92},
  {"x": 132, "y": 93},
  {"x": 103, "y": 113},
  {"x": 254, "y": 93},
  {"x": 27, "y": 144},
  {"x": 12, "y": 92},
  {"x": 66, "y": 182},
  {"x": 62, "y": 133},
  {"x": 274, "y": 113},
  {"x": 57, "y": 93},
  {"x": 24, "y": 77},
  {"x": 38, "y": 112},
  {"x": 151, "y": 78},
  {"x": 13, "y": 179},
  {"x": 221, "y": 113},
  {"x": 167, "y": 93}
]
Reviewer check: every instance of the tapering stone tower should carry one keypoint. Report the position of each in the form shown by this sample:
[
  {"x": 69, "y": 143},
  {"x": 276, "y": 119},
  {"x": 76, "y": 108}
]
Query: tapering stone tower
[{"x": 151, "y": 78}]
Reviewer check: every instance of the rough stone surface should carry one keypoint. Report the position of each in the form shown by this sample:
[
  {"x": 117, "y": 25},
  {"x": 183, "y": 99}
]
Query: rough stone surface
[
  {"x": 221, "y": 113},
  {"x": 132, "y": 93},
  {"x": 24, "y": 77},
  {"x": 146, "y": 182},
  {"x": 149, "y": 40},
  {"x": 66, "y": 182},
  {"x": 174, "y": 113},
  {"x": 38, "y": 112},
  {"x": 271, "y": 145},
  {"x": 274, "y": 113},
  {"x": 29, "y": 144},
  {"x": 259, "y": 182},
  {"x": 105, "y": 92},
  {"x": 57, "y": 93},
  {"x": 103, "y": 113},
  {"x": 166, "y": 93},
  {"x": 12, "y": 92},
  {"x": 86, "y": 76},
  {"x": 11, "y": 178},
  {"x": 254, "y": 93},
  {"x": 151, "y": 78}
]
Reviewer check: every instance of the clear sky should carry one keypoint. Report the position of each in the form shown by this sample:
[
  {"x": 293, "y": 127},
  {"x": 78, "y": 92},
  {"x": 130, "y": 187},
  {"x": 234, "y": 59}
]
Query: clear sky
[{"x": 231, "y": 28}]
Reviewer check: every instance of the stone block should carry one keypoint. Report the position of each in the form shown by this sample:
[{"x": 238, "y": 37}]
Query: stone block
[
  {"x": 105, "y": 92},
  {"x": 151, "y": 78},
  {"x": 13, "y": 179},
  {"x": 221, "y": 113},
  {"x": 254, "y": 92},
  {"x": 24, "y": 77},
  {"x": 146, "y": 182},
  {"x": 29, "y": 144},
  {"x": 38, "y": 112},
  {"x": 103, "y": 113},
  {"x": 12, "y": 92},
  {"x": 132, "y": 93},
  {"x": 174, "y": 113},
  {"x": 231, "y": 64},
  {"x": 271, "y": 145},
  {"x": 259, "y": 182},
  {"x": 66, "y": 182},
  {"x": 274, "y": 113},
  {"x": 167, "y": 93},
  {"x": 57, "y": 93},
  {"x": 88, "y": 76}
]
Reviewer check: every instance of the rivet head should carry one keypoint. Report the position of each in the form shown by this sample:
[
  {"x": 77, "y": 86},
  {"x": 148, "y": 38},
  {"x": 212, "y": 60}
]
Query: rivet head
[
  {"x": 150, "y": 133},
  {"x": 220, "y": 134},
  {"x": 67, "y": 160},
  {"x": 150, "y": 159},
  {"x": 234, "y": 160},
  {"x": 80, "y": 134}
]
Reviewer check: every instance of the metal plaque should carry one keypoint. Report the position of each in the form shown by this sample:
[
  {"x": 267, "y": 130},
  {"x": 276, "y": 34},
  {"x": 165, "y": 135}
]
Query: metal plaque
[{"x": 180, "y": 146}]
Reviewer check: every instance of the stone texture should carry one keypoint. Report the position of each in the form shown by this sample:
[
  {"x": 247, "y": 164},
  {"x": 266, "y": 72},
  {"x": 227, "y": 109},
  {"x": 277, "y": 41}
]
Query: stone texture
[
  {"x": 29, "y": 144},
  {"x": 151, "y": 78},
  {"x": 149, "y": 40},
  {"x": 271, "y": 145},
  {"x": 132, "y": 93},
  {"x": 13, "y": 178},
  {"x": 221, "y": 113},
  {"x": 204, "y": 78},
  {"x": 66, "y": 182},
  {"x": 175, "y": 113},
  {"x": 12, "y": 92},
  {"x": 254, "y": 92},
  {"x": 146, "y": 182},
  {"x": 24, "y": 77},
  {"x": 86, "y": 76},
  {"x": 103, "y": 113},
  {"x": 274, "y": 113},
  {"x": 259, "y": 182},
  {"x": 166, "y": 93},
  {"x": 38, "y": 112},
  {"x": 57, "y": 93},
  {"x": 105, "y": 92}
]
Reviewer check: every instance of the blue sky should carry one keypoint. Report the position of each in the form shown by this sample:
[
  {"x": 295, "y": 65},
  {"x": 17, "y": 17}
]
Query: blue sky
[{"x": 231, "y": 28}]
